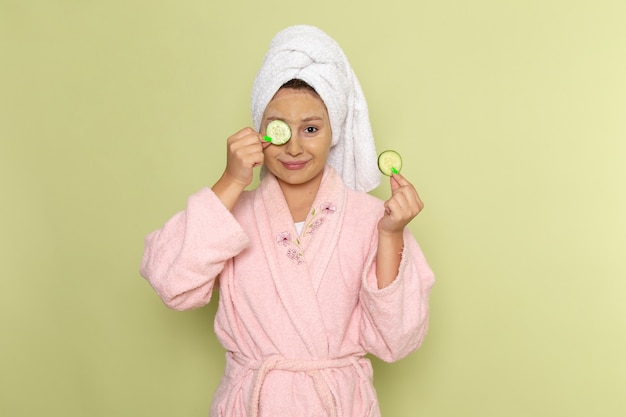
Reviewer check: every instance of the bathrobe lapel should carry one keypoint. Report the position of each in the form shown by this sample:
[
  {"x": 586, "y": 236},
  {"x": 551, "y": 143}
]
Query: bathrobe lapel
[{"x": 298, "y": 263}]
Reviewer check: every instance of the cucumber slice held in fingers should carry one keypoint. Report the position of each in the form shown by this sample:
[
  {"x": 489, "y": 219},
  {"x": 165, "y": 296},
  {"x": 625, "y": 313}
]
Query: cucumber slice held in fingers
[
  {"x": 278, "y": 132},
  {"x": 389, "y": 162}
]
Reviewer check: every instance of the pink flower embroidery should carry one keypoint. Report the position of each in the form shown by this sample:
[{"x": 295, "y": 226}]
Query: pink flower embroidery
[
  {"x": 315, "y": 225},
  {"x": 316, "y": 221},
  {"x": 295, "y": 255},
  {"x": 283, "y": 239},
  {"x": 328, "y": 208}
]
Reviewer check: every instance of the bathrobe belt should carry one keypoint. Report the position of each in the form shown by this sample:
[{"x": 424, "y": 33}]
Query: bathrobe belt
[{"x": 313, "y": 368}]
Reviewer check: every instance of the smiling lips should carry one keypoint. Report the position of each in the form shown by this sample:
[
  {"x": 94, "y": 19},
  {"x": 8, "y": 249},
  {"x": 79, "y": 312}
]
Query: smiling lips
[{"x": 294, "y": 165}]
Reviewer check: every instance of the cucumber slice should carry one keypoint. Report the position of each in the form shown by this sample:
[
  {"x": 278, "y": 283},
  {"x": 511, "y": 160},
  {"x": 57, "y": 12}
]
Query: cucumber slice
[
  {"x": 278, "y": 131},
  {"x": 389, "y": 162}
]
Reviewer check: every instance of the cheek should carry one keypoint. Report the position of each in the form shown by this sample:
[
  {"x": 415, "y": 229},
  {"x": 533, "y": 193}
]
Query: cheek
[
  {"x": 270, "y": 152},
  {"x": 323, "y": 147}
]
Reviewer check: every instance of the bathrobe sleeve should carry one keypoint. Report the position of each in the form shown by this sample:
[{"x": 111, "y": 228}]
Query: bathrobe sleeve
[
  {"x": 182, "y": 259},
  {"x": 395, "y": 318}
]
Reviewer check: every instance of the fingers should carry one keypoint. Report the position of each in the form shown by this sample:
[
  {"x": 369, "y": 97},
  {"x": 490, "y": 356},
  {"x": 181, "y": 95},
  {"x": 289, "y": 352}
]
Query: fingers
[
  {"x": 244, "y": 152},
  {"x": 403, "y": 205},
  {"x": 400, "y": 184},
  {"x": 251, "y": 133},
  {"x": 397, "y": 180},
  {"x": 246, "y": 148}
]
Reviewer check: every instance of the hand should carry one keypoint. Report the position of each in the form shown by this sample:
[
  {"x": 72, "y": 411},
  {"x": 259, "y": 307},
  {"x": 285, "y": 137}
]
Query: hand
[
  {"x": 244, "y": 152},
  {"x": 402, "y": 207}
]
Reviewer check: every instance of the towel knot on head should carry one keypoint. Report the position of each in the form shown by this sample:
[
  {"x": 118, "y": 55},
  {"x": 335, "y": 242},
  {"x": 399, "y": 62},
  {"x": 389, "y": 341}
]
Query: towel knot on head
[{"x": 308, "y": 54}]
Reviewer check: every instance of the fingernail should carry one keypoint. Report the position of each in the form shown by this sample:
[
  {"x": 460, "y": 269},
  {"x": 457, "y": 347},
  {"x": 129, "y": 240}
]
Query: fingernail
[
  {"x": 395, "y": 171},
  {"x": 267, "y": 139}
]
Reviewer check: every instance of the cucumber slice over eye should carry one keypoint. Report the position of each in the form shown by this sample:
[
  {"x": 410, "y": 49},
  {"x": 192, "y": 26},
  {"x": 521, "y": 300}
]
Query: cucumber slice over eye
[
  {"x": 388, "y": 161},
  {"x": 278, "y": 131}
]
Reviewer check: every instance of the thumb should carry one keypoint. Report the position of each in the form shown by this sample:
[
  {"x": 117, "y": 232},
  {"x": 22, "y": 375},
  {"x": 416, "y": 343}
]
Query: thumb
[{"x": 393, "y": 182}]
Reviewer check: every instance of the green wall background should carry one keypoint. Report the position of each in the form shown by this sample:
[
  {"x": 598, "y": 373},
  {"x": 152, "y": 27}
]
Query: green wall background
[{"x": 510, "y": 116}]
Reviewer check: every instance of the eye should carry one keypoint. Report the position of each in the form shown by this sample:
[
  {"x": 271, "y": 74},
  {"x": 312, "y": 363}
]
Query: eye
[{"x": 311, "y": 129}]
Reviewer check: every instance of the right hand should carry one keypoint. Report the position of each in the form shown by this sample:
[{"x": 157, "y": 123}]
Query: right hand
[{"x": 244, "y": 152}]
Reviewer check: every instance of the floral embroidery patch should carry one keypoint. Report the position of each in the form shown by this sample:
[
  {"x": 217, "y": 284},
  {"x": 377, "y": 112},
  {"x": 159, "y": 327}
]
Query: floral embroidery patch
[{"x": 316, "y": 220}]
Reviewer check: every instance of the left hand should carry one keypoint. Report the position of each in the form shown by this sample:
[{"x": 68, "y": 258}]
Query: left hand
[{"x": 402, "y": 207}]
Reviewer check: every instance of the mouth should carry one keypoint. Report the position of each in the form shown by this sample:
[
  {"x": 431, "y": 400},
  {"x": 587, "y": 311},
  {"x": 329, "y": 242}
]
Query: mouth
[{"x": 294, "y": 165}]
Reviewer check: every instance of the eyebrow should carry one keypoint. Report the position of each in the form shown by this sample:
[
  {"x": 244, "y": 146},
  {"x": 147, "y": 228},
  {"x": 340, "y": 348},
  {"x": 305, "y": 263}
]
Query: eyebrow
[
  {"x": 305, "y": 120},
  {"x": 311, "y": 119}
]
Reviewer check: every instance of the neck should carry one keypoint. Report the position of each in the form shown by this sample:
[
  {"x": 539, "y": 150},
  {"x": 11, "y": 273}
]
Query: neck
[{"x": 300, "y": 197}]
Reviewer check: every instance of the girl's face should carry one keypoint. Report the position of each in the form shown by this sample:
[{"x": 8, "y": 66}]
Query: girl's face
[{"x": 302, "y": 159}]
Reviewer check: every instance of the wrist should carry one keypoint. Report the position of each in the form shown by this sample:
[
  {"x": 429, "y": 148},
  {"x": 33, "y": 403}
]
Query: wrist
[
  {"x": 391, "y": 234},
  {"x": 228, "y": 189},
  {"x": 394, "y": 241}
]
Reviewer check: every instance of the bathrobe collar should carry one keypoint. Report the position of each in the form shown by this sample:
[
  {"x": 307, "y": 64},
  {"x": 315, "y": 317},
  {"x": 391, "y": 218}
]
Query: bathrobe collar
[{"x": 298, "y": 263}]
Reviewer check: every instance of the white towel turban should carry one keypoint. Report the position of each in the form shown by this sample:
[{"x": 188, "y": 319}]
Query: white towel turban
[{"x": 307, "y": 53}]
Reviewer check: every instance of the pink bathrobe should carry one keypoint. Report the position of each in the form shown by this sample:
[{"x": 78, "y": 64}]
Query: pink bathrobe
[{"x": 297, "y": 313}]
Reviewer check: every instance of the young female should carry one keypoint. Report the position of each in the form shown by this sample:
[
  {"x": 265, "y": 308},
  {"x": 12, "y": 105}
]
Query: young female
[{"x": 314, "y": 274}]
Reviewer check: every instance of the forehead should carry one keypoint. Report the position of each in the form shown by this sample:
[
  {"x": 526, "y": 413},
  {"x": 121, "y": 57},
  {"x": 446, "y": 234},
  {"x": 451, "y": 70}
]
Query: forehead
[{"x": 294, "y": 104}]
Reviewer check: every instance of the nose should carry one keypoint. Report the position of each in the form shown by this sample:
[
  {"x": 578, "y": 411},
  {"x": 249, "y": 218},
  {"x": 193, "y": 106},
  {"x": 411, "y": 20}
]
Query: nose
[{"x": 293, "y": 146}]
